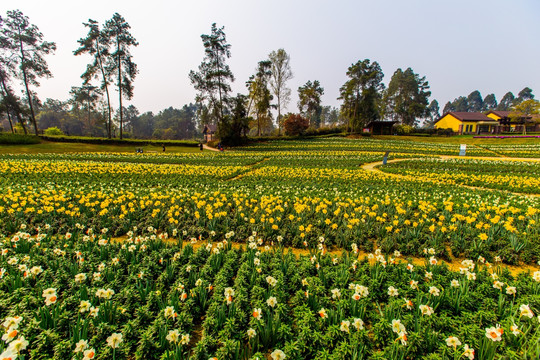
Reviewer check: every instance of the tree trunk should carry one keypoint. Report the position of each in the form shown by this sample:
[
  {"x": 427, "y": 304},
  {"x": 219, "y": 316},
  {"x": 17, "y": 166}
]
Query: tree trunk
[
  {"x": 219, "y": 89},
  {"x": 32, "y": 114},
  {"x": 10, "y": 122},
  {"x": 25, "y": 79},
  {"x": 120, "y": 97},
  {"x": 109, "y": 112},
  {"x": 120, "y": 85},
  {"x": 5, "y": 94},
  {"x": 356, "y": 105},
  {"x": 249, "y": 105},
  {"x": 105, "y": 84},
  {"x": 88, "y": 108},
  {"x": 279, "y": 114}
]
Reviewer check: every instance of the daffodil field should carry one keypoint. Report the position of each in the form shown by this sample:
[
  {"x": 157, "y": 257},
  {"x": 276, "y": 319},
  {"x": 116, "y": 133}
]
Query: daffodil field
[{"x": 279, "y": 250}]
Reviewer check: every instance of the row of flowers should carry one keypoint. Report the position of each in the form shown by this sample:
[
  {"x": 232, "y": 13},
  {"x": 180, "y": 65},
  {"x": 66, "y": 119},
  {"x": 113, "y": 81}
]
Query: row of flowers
[
  {"x": 405, "y": 215},
  {"x": 518, "y": 176},
  {"x": 364, "y": 144}
]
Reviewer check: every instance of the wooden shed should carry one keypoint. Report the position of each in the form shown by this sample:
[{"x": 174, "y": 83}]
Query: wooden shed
[{"x": 380, "y": 127}]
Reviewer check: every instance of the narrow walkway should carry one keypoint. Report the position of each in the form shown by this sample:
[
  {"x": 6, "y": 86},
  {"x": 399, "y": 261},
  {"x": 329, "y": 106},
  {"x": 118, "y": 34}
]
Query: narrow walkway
[
  {"x": 249, "y": 169},
  {"x": 373, "y": 167},
  {"x": 486, "y": 149},
  {"x": 206, "y": 147},
  {"x": 454, "y": 263},
  {"x": 500, "y": 158}
]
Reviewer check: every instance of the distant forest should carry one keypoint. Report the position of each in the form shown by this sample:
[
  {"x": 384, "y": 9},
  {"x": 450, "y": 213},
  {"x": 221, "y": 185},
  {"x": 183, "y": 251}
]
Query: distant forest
[
  {"x": 112, "y": 70},
  {"x": 475, "y": 103}
]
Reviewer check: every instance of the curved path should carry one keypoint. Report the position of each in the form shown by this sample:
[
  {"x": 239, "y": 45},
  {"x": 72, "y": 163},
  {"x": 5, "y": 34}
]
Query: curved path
[
  {"x": 206, "y": 147},
  {"x": 373, "y": 166}
]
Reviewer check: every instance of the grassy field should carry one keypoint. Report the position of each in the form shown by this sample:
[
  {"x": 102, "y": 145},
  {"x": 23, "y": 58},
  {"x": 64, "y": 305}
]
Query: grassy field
[{"x": 63, "y": 147}]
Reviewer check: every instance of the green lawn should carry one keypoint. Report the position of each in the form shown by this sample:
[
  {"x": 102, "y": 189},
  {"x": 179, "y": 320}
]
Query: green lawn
[{"x": 62, "y": 147}]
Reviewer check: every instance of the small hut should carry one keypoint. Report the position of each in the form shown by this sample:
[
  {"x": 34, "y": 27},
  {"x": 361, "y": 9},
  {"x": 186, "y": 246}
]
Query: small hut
[
  {"x": 209, "y": 132},
  {"x": 380, "y": 127}
]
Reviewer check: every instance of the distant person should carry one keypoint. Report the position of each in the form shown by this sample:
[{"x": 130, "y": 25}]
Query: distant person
[
  {"x": 163, "y": 145},
  {"x": 200, "y": 146}
]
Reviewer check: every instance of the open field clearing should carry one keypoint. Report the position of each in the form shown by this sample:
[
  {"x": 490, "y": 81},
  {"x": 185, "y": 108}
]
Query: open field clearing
[
  {"x": 63, "y": 147},
  {"x": 278, "y": 247}
]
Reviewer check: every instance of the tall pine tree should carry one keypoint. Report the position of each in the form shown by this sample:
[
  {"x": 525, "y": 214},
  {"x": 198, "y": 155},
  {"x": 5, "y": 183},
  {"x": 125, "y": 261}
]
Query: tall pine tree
[
  {"x": 475, "y": 101},
  {"x": 25, "y": 42},
  {"x": 407, "y": 97},
  {"x": 361, "y": 94},
  {"x": 97, "y": 44},
  {"x": 120, "y": 62},
  {"x": 212, "y": 79}
]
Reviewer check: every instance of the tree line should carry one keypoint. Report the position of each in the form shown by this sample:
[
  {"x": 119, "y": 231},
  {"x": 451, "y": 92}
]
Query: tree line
[
  {"x": 475, "y": 103},
  {"x": 364, "y": 97},
  {"x": 23, "y": 51}
]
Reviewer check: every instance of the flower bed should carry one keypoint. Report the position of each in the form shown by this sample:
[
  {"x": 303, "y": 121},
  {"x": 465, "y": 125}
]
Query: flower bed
[{"x": 81, "y": 295}]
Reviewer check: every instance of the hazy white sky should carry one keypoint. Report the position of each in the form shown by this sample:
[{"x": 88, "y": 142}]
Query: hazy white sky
[{"x": 459, "y": 45}]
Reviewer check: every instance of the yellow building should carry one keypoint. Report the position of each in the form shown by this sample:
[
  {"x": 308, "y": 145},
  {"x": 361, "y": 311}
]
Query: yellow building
[
  {"x": 514, "y": 124},
  {"x": 468, "y": 123},
  {"x": 498, "y": 115}
]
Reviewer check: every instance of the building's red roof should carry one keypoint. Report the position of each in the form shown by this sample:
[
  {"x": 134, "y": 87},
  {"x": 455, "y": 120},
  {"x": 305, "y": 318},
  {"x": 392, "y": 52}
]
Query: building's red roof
[{"x": 468, "y": 116}]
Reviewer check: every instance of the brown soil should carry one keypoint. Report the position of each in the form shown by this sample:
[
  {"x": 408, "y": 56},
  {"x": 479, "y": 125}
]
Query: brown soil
[{"x": 454, "y": 264}]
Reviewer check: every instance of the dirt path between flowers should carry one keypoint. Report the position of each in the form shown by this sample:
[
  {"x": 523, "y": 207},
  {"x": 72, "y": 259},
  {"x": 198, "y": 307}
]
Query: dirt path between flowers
[
  {"x": 486, "y": 149},
  {"x": 206, "y": 147},
  {"x": 249, "y": 169},
  {"x": 454, "y": 264},
  {"x": 374, "y": 167},
  {"x": 495, "y": 158}
]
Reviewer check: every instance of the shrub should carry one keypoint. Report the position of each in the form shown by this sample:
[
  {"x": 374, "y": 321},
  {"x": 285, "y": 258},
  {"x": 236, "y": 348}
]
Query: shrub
[
  {"x": 403, "y": 129},
  {"x": 445, "y": 132},
  {"x": 425, "y": 131},
  {"x": 18, "y": 139},
  {"x": 295, "y": 124},
  {"x": 231, "y": 129},
  {"x": 325, "y": 131},
  {"x": 53, "y": 131}
]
